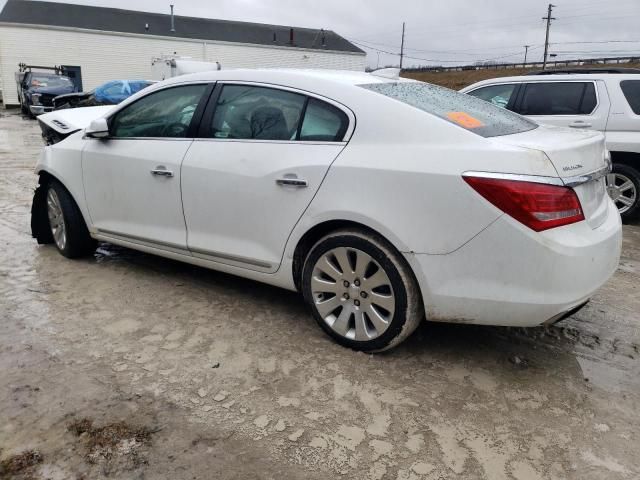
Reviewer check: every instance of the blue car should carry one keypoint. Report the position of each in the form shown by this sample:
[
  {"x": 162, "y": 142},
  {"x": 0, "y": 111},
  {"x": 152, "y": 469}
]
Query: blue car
[{"x": 110, "y": 93}]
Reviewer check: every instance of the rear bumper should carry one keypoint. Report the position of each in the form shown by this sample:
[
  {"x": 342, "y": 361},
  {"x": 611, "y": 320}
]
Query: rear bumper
[{"x": 512, "y": 276}]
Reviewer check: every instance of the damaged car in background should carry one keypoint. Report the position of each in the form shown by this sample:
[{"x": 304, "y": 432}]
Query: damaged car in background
[
  {"x": 109, "y": 93},
  {"x": 455, "y": 211},
  {"x": 37, "y": 88}
]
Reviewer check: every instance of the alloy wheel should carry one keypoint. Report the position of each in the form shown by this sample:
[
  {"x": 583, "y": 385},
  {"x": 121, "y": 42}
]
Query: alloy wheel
[
  {"x": 56, "y": 219},
  {"x": 353, "y": 294},
  {"x": 622, "y": 191}
]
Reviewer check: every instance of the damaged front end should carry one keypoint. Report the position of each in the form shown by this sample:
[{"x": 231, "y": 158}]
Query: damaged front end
[{"x": 59, "y": 124}]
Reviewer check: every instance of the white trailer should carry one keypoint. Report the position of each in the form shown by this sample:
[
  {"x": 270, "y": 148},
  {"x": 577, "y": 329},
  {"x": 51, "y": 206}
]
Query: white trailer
[{"x": 164, "y": 67}]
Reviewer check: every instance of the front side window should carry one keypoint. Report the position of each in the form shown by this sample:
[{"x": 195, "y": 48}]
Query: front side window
[
  {"x": 323, "y": 122},
  {"x": 257, "y": 113},
  {"x": 166, "y": 113},
  {"x": 631, "y": 90},
  {"x": 465, "y": 111},
  {"x": 558, "y": 98},
  {"x": 498, "y": 95}
]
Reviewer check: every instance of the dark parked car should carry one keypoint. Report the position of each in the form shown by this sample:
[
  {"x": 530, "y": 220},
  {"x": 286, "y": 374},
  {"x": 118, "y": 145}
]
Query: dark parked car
[
  {"x": 36, "y": 90},
  {"x": 110, "y": 93}
]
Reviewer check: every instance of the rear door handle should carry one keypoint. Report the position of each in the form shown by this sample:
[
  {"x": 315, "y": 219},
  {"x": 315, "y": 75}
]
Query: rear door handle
[
  {"x": 580, "y": 124},
  {"x": 162, "y": 171},
  {"x": 292, "y": 182}
]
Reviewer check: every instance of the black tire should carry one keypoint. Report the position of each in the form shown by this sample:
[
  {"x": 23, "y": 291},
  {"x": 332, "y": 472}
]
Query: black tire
[
  {"x": 78, "y": 241},
  {"x": 632, "y": 174},
  {"x": 408, "y": 311},
  {"x": 40, "y": 228}
]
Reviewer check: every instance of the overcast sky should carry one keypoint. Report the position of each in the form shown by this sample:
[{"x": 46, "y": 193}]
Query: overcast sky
[{"x": 445, "y": 32}]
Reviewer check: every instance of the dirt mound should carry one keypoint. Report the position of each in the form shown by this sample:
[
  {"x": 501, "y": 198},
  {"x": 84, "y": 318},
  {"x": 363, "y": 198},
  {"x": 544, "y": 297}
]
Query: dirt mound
[
  {"x": 116, "y": 446},
  {"x": 458, "y": 80},
  {"x": 21, "y": 464}
]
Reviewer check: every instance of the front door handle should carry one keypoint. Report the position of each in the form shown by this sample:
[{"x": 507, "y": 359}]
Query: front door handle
[
  {"x": 162, "y": 171},
  {"x": 292, "y": 182},
  {"x": 580, "y": 124}
]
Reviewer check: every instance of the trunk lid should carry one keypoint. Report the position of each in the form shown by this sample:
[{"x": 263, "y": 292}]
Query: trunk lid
[{"x": 576, "y": 156}]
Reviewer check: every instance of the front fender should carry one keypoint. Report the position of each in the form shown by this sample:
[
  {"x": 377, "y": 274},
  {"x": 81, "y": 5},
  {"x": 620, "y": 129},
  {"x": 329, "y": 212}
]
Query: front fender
[{"x": 63, "y": 162}]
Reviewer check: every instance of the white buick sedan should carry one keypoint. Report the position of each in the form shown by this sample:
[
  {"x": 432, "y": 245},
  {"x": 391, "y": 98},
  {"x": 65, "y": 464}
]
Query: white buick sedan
[{"x": 382, "y": 200}]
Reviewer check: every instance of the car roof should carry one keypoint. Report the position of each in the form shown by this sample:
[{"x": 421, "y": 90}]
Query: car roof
[
  {"x": 338, "y": 85},
  {"x": 293, "y": 75},
  {"x": 566, "y": 77}
]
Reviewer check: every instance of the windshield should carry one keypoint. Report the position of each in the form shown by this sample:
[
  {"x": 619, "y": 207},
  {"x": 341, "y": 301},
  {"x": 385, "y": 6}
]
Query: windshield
[
  {"x": 43, "y": 80},
  {"x": 465, "y": 111}
]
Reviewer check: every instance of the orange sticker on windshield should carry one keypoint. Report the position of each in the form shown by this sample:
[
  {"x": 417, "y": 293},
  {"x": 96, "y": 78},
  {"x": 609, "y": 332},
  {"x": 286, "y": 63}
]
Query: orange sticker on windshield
[{"x": 464, "y": 120}]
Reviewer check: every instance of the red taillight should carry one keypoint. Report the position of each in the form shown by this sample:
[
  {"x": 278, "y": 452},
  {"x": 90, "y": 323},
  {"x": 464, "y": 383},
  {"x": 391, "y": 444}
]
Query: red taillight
[{"x": 537, "y": 205}]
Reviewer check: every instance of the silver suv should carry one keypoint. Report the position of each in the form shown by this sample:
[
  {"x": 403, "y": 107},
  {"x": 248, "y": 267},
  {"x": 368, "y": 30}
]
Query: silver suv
[{"x": 603, "y": 100}]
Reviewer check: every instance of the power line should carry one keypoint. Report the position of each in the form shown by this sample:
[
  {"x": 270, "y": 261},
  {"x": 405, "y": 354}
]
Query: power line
[{"x": 597, "y": 41}]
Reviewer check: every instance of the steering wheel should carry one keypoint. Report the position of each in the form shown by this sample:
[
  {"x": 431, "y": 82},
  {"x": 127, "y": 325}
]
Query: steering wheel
[{"x": 175, "y": 129}]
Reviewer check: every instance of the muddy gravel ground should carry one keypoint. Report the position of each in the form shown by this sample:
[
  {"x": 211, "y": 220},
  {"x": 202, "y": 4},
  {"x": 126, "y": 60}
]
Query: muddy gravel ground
[{"x": 130, "y": 366}]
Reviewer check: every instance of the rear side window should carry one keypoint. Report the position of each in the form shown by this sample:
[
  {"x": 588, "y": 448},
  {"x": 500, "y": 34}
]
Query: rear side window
[
  {"x": 558, "y": 98},
  {"x": 465, "y": 111},
  {"x": 498, "y": 95},
  {"x": 631, "y": 90},
  {"x": 257, "y": 113},
  {"x": 323, "y": 122}
]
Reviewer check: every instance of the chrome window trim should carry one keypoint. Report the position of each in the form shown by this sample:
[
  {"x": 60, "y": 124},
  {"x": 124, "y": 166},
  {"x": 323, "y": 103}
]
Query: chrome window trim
[{"x": 281, "y": 142}]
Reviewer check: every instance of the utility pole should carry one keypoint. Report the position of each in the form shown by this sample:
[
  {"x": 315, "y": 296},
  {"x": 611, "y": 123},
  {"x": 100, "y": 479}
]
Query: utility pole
[
  {"x": 548, "y": 18},
  {"x": 526, "y": 50},
  {"x": 402, "y": 47}
]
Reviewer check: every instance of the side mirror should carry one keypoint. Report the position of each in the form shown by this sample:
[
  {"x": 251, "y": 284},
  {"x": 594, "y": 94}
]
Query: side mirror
[{"x": 98, "y": 128}]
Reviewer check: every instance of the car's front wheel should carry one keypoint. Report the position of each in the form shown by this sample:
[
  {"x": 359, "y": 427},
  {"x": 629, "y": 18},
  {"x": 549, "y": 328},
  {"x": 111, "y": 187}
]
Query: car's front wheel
[
  {"x": 68, "y": 229},
  {"x": 623, "y": 186},
  {"x": 361, "y": 291}
]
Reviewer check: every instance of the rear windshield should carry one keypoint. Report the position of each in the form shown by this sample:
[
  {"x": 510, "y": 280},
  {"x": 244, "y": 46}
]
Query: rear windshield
[
  {"x": 631, "y": 90},
  {"x": 462, "y": 110}
]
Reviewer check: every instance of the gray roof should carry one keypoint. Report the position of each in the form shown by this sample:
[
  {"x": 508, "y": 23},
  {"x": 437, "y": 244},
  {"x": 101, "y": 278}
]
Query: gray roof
[{"x": 128, "y": 21}]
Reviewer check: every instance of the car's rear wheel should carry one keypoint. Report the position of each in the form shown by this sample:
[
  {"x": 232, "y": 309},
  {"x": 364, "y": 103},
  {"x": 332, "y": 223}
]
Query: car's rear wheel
[
  {"x": 623, "y": 186},
  {"x": 361, "y": 291},
  {"x": 68, "y": 229}
]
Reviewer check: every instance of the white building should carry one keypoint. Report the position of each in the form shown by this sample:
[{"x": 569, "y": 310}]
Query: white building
[{"x": 110, "y": 43}]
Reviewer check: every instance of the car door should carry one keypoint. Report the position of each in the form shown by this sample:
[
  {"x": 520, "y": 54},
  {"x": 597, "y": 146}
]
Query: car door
[
  {"x": 575, "y": 104},
  {"x": 132, "y": 178},
  {"x": 263, "y": 154}
]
